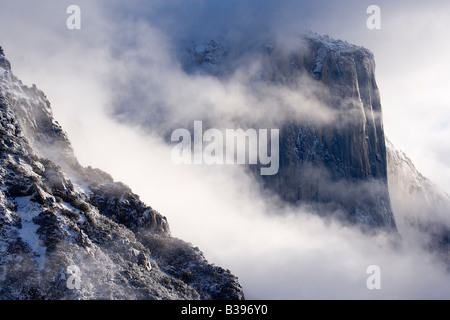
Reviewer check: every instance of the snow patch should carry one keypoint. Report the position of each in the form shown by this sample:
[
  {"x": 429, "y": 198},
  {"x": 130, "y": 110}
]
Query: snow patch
[{"x": 27, "y": 210}]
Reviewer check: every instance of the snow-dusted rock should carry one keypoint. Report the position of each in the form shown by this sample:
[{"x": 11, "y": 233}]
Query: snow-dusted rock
[
  {"x": 337, "y": 167},
  {"x": 87, "y": 236},
  {"x": 421, "y": 208}
]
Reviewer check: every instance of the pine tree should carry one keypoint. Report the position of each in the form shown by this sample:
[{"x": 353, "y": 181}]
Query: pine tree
[{"x": 1, "y": 51}]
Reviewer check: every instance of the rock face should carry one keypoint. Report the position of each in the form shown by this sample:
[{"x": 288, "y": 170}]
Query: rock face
[
  {"x": 69, "y": 232},
  {"x": 341, "y": 166},
  {"x": 336, "y": 168},
  {"x": 421, "y": 208}
]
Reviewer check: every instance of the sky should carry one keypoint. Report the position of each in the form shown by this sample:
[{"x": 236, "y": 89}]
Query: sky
[{"x": 91, "y": 73}]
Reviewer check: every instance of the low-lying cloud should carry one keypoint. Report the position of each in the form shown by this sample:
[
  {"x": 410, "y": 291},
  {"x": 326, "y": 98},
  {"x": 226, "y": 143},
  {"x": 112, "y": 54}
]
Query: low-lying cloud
[{"x": 152, "y": 88}]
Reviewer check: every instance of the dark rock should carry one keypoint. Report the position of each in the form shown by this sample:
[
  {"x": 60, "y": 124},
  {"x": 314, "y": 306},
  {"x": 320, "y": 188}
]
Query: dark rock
[{"x": 336, "y": 168}]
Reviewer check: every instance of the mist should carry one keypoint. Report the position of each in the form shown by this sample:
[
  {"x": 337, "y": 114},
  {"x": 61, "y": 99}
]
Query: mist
[{"x": 122, "y": 72}]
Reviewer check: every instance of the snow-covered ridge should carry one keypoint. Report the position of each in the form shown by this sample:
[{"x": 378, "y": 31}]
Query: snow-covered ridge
[
  {"x": 57, "y": 216},
  {"x": 421, "y": 209},
  {"x": 416, "y": 198},
  {"x": 336, "y": 46}
]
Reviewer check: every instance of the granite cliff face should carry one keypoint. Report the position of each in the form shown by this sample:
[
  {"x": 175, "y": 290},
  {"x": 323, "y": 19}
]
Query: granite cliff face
[
  {"x": 337, "y": 168},
  {"x": 69, "y": 232},
  {"x": 340, "y": 167}
]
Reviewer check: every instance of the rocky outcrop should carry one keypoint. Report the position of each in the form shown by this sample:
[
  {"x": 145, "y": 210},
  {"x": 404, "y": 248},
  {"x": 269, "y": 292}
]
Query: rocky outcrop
[
  {"x": 421, "y": 208},
  {"x": 339, "y": 167},
  {"x": 69, "y": 232}
]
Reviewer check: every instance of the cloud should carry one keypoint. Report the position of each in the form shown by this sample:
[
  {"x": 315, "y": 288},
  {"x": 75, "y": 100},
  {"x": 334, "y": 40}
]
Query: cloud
[
  {"x": 123, "y": 56},
  {"x": 278, "y": 252},
  {"x": 163, "y": 94}
]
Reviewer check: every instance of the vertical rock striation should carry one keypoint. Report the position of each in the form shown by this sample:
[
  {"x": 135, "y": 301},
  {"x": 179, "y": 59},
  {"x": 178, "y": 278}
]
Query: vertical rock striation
[
  {"x": 336, "y": 167},
  {"x": 339, "y": 167}
]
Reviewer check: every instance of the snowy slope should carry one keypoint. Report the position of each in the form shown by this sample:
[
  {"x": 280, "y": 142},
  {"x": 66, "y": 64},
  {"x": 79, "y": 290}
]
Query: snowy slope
[
  {"x": 68, "y": 232},
  {"x": 420, "y": 207}
]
